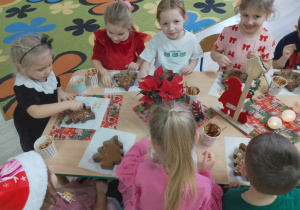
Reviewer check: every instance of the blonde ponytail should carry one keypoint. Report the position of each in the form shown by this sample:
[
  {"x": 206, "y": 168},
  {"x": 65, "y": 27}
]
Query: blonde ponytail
[{"x": 173, "y": 130}]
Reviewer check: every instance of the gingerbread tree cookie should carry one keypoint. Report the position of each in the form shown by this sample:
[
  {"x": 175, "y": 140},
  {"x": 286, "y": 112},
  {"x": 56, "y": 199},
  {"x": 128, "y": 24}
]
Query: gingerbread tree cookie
[
  {"x": 239, "y": 159},
  {"x": 110, "y": 154},
  {"x": 125, "y": 80},
  {"x": 82, "y": 115}
]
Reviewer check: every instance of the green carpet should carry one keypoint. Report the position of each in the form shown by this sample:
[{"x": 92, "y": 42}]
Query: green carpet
[{"x": 71, "y": 24}]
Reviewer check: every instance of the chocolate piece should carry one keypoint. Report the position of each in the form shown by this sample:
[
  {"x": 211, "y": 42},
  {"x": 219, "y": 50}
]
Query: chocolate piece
[
  {"x": 110, "y": 154},
  {"x": 239, "y": 159},
  {"x": 212, "y": 129},
  {"x": 82, "y": 115},
  {"x": 125, "y": 80},
  {"x": 293, "y": 78},
  {"x": 233, "y": 73}
]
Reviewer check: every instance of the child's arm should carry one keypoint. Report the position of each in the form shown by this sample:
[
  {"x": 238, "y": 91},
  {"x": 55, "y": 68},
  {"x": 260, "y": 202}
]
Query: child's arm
[
  {"x": 135, "y": 65},
  {"x": 104, "y": 74},
  {"x": 101, "y": 203},
  {"x": 286, "y": 54},
  {"x": 64, "y": 96},
  {"x": 218, "y": 57},
  {"x": 48, "y": 110},
  {"x": 145, "y": 69},
  {"x": 187, "y": 69}
]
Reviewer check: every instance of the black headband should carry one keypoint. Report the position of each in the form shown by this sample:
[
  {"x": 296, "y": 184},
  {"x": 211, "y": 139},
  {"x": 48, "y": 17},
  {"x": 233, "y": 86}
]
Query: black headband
[{"x": 45, "y": 40}]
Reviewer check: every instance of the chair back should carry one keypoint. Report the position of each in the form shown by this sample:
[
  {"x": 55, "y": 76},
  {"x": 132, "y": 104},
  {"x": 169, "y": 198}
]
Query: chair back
[{"x": 208, "y": 42}]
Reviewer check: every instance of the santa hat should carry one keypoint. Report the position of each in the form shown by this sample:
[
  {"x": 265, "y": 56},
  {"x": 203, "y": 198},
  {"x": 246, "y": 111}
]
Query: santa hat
[{"x": 23, "y": 182}]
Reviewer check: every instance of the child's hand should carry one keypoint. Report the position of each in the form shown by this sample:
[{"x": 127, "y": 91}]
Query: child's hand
[
  {"x": 186, "y": 69},
  {"x": 106, "y": 79},
  {"x": 223, "y": 61},
  {"x": 64, "y": 96},
  {"x": 133, "y": 66},
  {"x": 231, "y": 185},
  {"x": 101, "y": 187},
  {"x": 75, "y": 105},
  {"x": 252, "y": 54},
  {"x": 207, "y": 162},
  {"x": 288, "y": 50}
]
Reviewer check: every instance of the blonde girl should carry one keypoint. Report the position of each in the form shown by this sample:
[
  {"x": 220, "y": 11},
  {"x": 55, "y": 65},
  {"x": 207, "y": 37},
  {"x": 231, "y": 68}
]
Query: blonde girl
[
  {"x": 37, "y": 89},
  {"x": 168, "y": 181},
  {"x": 247, "y": 39},
  {"x": 173, "y": 48},
  {"x": 117, "y": 47}
]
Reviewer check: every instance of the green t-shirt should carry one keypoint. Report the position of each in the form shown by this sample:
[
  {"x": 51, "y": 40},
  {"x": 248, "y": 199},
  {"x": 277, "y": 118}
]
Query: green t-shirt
[{"x": 232, "y": 200}]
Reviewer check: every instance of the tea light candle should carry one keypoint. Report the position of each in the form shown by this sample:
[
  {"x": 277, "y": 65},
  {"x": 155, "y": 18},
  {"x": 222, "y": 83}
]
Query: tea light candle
[
  {"x": 274, "y": 122},
  {"x": 288, "y": 116}
]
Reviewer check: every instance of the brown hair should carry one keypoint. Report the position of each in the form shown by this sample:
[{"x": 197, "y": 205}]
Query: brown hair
[
  {"x": 118, "y": 13},
  {"x": 266, "y": 6},
  {"x": 173, "y": 130},
  {"x": 170, "y": 4},
  {"x": 272, "y": 163},
  {"x": 28, "y": 48}
]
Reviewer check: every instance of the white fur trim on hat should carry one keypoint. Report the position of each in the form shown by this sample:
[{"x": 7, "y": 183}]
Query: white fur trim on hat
[{"x": 37, "y": 176}]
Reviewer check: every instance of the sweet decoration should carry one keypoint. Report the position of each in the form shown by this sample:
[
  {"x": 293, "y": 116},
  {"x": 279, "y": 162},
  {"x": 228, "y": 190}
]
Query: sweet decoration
[
  {"x": 288, "y": 115},
  {"x": 274, "y": 122},
  {"x": 197, "y": 111},
  {"x": 156, "y": 89},
  {"x": 293, "y": 78},
  {"x": 239, "y": 159},
  {"x": 46, "y": 143},
  {"x": 110, "y": 154},
  {"x": 212, "y": 129},
  {"x": 192, "y": 90},
  {"x": 125, "y": 80},
  {"x": 82, "y": 115}
]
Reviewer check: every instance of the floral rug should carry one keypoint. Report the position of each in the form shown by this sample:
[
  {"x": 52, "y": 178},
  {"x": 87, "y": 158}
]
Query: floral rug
[
  {"x": 71, "y": 24},
  {"x": 266, "y": 106},
  {"x": 110, "y": 120}
]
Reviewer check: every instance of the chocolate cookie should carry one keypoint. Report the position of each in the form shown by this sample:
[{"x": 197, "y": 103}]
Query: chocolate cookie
[
  {"x": 110, "y": 154},
  {"x": 233, "y": 73},
  {"x": 239, "y": 159},
  {"x": 125, "y": 80},
  {"x": 82, "y": 115}
]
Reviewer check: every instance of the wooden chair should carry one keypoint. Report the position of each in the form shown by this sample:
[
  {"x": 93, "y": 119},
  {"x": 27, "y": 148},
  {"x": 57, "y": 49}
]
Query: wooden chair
[{"x": 207, "y": 44}]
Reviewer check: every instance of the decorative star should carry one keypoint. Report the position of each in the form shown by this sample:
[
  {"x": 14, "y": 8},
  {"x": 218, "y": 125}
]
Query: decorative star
[
  {"x": 6, "y": 185},
  {"x": 23, "y": 178}
]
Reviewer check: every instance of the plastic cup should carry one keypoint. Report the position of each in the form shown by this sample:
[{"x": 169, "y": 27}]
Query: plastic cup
[
  {"x": 277, "y": 85},
  {"x": 45, "y": 146},
  {"x": 192, "y": 94},
  {"x": 211, "y": 133},
  {"x": 78, "y": 83},
  {"x": 92, "y": 75}
]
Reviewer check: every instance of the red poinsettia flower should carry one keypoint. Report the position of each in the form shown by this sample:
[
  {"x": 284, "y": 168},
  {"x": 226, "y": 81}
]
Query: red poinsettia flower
[
  {"x": 147, "y": 99},
  {"x": 170, "y": 91},
  {"x": 149, "y": 84},
  {"x": 159, "y": 72}
]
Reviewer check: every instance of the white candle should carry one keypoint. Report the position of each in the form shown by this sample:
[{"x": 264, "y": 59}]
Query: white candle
[
  {"x": 288, "y": 116},
  {"x": 274, "y": 122}
]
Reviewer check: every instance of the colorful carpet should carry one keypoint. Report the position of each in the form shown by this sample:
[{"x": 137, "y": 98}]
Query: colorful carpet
[{"x": 71, "y": 24}]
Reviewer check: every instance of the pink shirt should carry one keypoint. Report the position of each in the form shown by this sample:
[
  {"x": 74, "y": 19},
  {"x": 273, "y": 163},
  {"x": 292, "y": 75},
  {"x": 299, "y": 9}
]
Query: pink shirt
[
  {"x": 143, "y": 183},
  {"x": 236, "y": 46}
]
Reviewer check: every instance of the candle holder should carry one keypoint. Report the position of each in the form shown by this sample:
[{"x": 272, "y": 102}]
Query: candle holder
[
  {"x": 288, "y": 116},
  {"x": 274, "y": 123}
]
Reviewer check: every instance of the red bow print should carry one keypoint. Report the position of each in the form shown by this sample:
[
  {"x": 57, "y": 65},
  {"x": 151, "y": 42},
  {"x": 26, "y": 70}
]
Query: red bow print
[
  {"x": 231, "y": 53},
  {"x": 265, "y": 56},
  {"x": 246, "y": 47},
  {"x": 221, "y": 37},
  {"x": 236, "y": 66},
  {"x": 263, "y": 38},
  {"x": 273, "y": 43},
  {"x": 232, "y": 40},
  {"x": 262, "y": 49},
  {"x": 216, "y": 46},
  {"x": 234, "y": 28}
]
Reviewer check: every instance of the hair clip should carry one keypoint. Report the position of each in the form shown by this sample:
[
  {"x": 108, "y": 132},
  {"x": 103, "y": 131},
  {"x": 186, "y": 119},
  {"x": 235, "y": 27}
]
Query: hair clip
[
  {"x": 45, "y": 39},
  {"x": 125, "y": 2}
]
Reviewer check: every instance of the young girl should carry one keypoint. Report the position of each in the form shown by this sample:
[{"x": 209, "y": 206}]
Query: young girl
[
  {"x": 247, "y": 39},
  {"x": 37, "y": 89},
  {"x": 174, "y": 48},
  {"x": 168, "y": 181},
  {"x": 118, "y": 45},
  {"x": 27, "y": 183}
]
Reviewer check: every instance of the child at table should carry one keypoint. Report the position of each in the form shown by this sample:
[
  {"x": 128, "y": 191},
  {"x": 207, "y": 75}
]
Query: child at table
[
  {"x": 247, "y": 39},
  {"x": 272, "y": 166},
  {"x": 168, "y": 180},
  {"x": 27, "y": 183},
  {"x": 173, "y": 48},
  {"x": 118, "y": 45},
  {"x": 37, "y": 89},
  {"x": 287, "y": 52}
]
